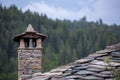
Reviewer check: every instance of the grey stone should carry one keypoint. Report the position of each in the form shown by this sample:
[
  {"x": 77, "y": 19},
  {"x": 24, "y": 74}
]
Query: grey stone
[
  {"x": 29, "y": 62},
  {"x": 84, "y": 72},
  {"x": 92, "y": 78},
  {"x": 96, "y": 66},
  {"x": 25, "y": 76},
  {"x": 69, "y": 79},
  {"x": 73, "y": 77},
  {"x": 84, "y": 60},
  {"x": 106, "y": 72},
  {"x": 103, "y": 75},
  {"x": 68, "y": 72},
  {"x": 81, "y": 68},
  {"x": 96, "y": 62},
  {"x": 114, "y": 64},
  {"x": 116, "y": 59},
  {"x": 37, "y": 55},
  {"x": 95, "y": 69},
  {"x": 102, "y": 58},
  {"x": 39, "y": 78},
  {"x": 109, "y": 79},
  {"x": 95, "y": 55},
  {"x": 115, "y": 54},
  {"x": 57, "y": 78}
]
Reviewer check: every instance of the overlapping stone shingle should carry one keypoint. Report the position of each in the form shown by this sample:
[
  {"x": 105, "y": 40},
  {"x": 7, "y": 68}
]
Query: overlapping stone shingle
[{"x": 93, "y": 67}]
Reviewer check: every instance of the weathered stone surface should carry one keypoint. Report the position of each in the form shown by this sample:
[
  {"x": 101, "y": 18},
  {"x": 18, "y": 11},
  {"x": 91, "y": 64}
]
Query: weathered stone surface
[
  {"x": 104, "y": 51},
  {"x": 36, "y": 74},
  {"x": 114, "y": 64},
  {"x": 103, "y": 75},
  {"x": 81, "y": 68},
  {"x": 110, "y": 79},
  {"x": 95, "y": 69},
  {"x": 114, "y": 47},
  {"x": 40, "y": 78},
  {"x": 66, "y": 74},
  {"x": 92, "y": 78},
  {"x": 116, "y": 60},
  {"x": 92, "y": 67},
  {"x": 52, "y": 74},
  {"x": 84, "y": 72},
  {"x": 84, "y": 60},
  {"x": 36, "y": 67},
  {"x": 36, "y": 55},
  {"x": 73, "y": 77},
  {"x": 106, "y": 72},
  {"x": 103, "y": 58},
  {"x": 96, "y": 62},
  {"x": 69, "y": 79},
  {"x": 57, "y": 78},
  {"x": 70, "y": 71},
  {"x": 58, "y": 70},
  {"x": 97, "y": 55},
  {"x": 97, "y": 66},
  {"x": 115, "y": 54},
  {"x": 29, "y": 61},
  {"x": 25, "y": 76}
]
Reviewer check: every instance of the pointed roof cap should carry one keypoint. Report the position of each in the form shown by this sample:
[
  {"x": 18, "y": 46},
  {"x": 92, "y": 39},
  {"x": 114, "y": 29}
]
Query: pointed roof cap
[
  {"x": 30, "y": 28},
  {"x": 30, "y": 33}
]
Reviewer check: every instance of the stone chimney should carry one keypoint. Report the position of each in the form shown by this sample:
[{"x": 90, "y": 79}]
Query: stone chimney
[{"x": 29, "y": 52}]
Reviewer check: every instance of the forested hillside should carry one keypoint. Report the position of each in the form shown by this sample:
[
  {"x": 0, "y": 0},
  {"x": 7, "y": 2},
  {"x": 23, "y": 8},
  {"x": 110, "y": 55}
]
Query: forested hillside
[{"x": 67, "y": 40}]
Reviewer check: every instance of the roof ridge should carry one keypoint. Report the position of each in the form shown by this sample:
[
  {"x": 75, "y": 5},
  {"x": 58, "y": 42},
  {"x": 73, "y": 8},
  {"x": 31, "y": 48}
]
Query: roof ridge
[{"x": 114, "y": 46}]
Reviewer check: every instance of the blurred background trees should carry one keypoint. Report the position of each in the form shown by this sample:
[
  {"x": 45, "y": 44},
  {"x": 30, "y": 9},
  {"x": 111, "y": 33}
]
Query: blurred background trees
[{"x": 67, "y": 40}]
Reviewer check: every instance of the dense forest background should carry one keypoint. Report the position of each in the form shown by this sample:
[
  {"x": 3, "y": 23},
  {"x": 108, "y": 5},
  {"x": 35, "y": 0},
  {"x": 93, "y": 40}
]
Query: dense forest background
[{"x": 67, "y": 40}]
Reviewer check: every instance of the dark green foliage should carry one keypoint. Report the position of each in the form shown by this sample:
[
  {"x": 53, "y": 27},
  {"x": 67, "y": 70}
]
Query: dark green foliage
[
  {"x": 66, "y": 42},
  {"x": 116, "y": 73}
]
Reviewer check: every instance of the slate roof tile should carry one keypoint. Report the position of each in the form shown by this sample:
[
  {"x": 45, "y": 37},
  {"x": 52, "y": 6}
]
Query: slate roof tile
[
  {"x": 93, "y": 67},
  {"x": 92, "y": 78}
]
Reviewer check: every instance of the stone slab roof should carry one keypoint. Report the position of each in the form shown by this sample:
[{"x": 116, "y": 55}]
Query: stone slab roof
[
  {"x": 96, "y": 66},
  {"x": 29, "y": 33}
]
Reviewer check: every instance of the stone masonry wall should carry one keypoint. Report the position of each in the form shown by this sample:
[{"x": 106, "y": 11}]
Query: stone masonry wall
[{"x": 29, "y": 62}]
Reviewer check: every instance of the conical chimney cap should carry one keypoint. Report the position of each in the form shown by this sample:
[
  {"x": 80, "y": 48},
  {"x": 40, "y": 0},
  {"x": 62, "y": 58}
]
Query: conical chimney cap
[
  {"x": 30, "y": 28},
  {"x": 30, "y": 33}
]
